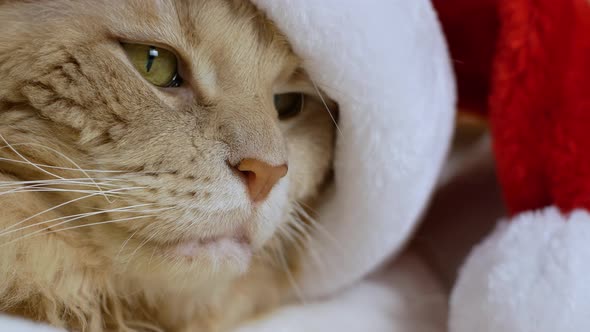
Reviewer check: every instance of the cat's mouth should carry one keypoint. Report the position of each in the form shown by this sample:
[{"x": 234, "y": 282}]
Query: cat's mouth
[
  {"x": 222, "y": 246},
  {"x": 219, "y": 248}
]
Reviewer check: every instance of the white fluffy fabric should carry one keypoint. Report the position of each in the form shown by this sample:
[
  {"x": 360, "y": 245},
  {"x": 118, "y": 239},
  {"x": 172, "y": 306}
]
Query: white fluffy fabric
[
  {"x": 386, "y": 63},
  {"x": 403, "y": 298},
  {"x": 9, "y": 324},
  {"x": 531, "y": 275}
]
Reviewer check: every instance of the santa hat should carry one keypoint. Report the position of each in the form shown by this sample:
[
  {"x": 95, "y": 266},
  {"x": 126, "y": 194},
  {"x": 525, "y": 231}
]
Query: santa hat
[
  {"x": 531, "y": 274},
  {"x": 386, "y": 64}
]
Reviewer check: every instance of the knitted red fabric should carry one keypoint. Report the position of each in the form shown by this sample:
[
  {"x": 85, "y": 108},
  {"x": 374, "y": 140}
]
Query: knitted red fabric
[
  {"x": 532, "y": 59},
  {"x": 540, "y": 103},
  {"x": 471, "y": 28}
]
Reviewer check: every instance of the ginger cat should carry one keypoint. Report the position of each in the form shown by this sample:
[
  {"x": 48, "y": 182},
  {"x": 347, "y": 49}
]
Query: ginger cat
[{"x": 156, "y": 160}]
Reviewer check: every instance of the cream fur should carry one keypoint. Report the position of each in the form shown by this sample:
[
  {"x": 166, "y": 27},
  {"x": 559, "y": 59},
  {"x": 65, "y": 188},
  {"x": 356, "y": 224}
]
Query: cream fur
[{"x": 153, "y": 165}]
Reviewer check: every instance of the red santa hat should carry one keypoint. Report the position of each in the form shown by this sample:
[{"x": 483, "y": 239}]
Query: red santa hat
[{"x": 530, "y": 275}]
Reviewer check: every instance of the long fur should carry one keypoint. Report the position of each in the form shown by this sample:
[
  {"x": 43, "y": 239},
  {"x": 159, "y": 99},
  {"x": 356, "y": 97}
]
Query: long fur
[{"x": 101, "y": 173}]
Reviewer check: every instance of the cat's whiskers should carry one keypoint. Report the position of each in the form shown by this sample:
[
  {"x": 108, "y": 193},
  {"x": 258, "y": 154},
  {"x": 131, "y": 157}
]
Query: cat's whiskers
[
  {"x": 301, "y": 236},
  {"x": 39, "y": 189},
  {"x": 98, "y": 171},
  {"x": 66, "y": 204},
  {"x": 319, "y": 92},
  {"x": 143, "y": 243},
  {"x": 12, "y": 147},
  {"x": 152, "y": 256},
  {"x": 125, "y": 243},
  {"x": 291, "y": 236},
  {"x": 43, "y": 232},
  {"x": 13, "y": 187},
  {"x": 24, "y": 159},
  {"x": 317, "y": 228},
  {"x": 307, "y": 224},
  {"x": 289, "y": 274},
  {"x": 81, "y": 181},
  {"x": 71, "y": 218}
]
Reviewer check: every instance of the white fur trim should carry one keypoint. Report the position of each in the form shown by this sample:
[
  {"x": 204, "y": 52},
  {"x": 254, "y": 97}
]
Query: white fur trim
[
  {"x": 387, "y": 65},
  {"x": 405, "y": 298},
  {"x": 9, "y": 324},
  {"x": 531, "y": 275}
]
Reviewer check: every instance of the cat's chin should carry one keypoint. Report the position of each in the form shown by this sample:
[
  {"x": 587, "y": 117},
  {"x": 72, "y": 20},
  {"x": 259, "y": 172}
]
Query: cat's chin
[
  {"x": 217, "y": 249},
  {"x": 233, "y": 250}
]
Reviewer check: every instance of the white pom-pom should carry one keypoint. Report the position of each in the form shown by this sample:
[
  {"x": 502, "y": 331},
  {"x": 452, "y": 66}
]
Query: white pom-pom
[{"x": 531, "y": 275}]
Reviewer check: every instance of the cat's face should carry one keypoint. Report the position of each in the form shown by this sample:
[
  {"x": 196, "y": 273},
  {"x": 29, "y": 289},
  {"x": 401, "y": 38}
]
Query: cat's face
[{"x": 85, "y": 79}]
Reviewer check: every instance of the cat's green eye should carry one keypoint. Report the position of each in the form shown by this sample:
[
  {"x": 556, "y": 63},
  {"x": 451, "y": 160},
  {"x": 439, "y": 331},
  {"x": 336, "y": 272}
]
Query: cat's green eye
[
  {"x": 289, "y": 105},
  {"x": 157, "y": 65}
]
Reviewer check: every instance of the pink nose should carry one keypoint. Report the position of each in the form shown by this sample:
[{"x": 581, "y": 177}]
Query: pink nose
[{"x": 261, "y": 177}]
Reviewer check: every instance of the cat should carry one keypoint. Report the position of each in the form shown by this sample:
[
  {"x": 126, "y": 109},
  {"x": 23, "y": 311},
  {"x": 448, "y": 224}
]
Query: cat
[{"x": 158, "y": 160}]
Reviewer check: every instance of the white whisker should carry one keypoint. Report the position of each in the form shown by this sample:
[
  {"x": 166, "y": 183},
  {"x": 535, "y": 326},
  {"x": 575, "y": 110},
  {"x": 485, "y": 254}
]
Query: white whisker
[
  {"x": 60, "y": 206},
  {"x": 143, "y": 243},
  {"x": 125, "y": 244},
  {"x": 63, "y": 168},
  {"x": 27, "y": 161},
  {"x": 316, "y": 226},
  {"x": 35, "y": 234},
  {"x": 56, "y": 152},
  {"x": 81, "y": 181},
  {"x": 292, "y": 281},
  {"x": 56, "y": 190},
  {"x": 75, "y": 217},
  {"x": 327, "y": 107}
]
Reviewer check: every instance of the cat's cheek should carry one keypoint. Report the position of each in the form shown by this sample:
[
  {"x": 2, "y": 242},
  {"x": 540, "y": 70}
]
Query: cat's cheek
[{"x": 271, "y": 214}]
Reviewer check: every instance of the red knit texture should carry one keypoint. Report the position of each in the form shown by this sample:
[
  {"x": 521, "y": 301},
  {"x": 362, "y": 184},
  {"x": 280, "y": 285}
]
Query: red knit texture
[
  {"x": 471, "y": 27},
  {"x": 540, "y": 103},
  {"x": 527, "y": 64}
]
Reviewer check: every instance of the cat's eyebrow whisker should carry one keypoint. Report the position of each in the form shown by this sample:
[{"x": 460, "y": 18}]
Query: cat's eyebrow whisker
[
  {"x": 42, "y": 232},
  {"x": 317, "y": 89},
  {"x": 60, "y": 206},
  {"x": 70, "y": 218}
]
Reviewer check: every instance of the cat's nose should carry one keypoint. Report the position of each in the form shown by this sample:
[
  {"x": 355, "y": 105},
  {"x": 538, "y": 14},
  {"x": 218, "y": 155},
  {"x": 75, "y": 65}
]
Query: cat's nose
[{"x": 260, "y": 177}]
